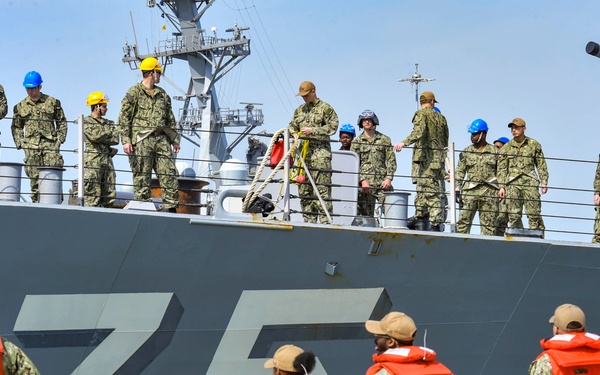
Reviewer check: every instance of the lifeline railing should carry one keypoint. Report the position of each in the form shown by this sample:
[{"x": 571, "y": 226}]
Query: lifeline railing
[{"x": 579, "y": 212}]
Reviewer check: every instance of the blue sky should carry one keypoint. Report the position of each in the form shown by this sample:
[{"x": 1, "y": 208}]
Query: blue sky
[{"x": 491, "y": 60}]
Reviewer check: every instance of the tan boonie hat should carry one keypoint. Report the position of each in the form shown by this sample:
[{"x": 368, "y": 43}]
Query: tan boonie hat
[
  {"x": 397, "y": 325},
  {"x": 427, "y": 96},
  {"x": 305, "y": 88},
  {"x": 284, "y": 358},
  {"x": 518, "y": 122},
  {"x": 565, "y": 314}
]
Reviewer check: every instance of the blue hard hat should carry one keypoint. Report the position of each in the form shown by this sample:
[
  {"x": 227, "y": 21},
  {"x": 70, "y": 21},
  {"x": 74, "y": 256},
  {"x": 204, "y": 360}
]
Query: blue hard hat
[
  {"x": 437, "y": 109},
  {"x": 502, "y": 139},
  {"x": 348, "y": 128},
  {"x": 32, "y": 79},
  {"x": 478, "y": 126},
  {"x": 366, "y": 115}
]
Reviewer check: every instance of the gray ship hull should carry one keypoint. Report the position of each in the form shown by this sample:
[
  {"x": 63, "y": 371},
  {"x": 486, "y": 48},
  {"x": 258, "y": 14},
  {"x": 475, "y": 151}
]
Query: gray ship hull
[{"x": 95, "y": 291}]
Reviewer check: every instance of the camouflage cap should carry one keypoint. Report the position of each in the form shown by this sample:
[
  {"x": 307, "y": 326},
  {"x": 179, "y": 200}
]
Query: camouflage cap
[
  {"x": 397, "y": 325},
  {"x": 427, "y": 96},
  {"x": 517, "y": 122},
  {"x": 566, "y": 314},
  {"x": 305, "y": 88},
  {"x": 284, "y": 358}
]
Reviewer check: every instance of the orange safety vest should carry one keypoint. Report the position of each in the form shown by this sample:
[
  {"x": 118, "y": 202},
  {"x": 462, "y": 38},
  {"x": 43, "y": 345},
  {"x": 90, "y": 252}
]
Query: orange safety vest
[
  {"x": 573, "y": 353},
  {"x": 1, "y": 357},
  {"x": 408, "y": 360}
]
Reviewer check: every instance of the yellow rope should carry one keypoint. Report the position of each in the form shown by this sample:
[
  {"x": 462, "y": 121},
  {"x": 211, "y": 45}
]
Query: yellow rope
[{"x": 298, "y": 169}]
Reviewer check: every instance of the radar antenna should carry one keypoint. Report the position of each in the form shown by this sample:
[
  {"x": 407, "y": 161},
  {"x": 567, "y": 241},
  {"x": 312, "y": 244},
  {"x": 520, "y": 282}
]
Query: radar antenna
[
  {"x": 415, "y": 80},
  {"x": 209, "y": 58}
]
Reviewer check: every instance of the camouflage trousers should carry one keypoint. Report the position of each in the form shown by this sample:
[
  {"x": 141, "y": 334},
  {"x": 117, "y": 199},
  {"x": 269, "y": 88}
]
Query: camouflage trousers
[
  {"x": 154, "y": 153},
  {"x": 502, "y": 219},
  {"x": 524, "y": 192},
  {"x": 414, "y": 172},
  {"x": 46, "y": 154},
  {"x": 311, "y": 206},
  {"x": 99, "y": 182},
  {"x": 429, "y": 200},
  {"x": 482, "y": 198},
  {"x": 366, "y": 202},
  {"x": 596, "y": 238}
]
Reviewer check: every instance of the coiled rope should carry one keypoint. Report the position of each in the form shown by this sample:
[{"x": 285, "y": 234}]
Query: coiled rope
[{"x": 252, "y": 194}]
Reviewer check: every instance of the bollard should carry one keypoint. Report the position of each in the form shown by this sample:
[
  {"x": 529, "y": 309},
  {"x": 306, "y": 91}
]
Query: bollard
[
  {"x": 395, "y": 209},
  {"x": 50, "y": 185},
  {"x": 189, "y": 194},
  {"x": 10, "y": 181}
]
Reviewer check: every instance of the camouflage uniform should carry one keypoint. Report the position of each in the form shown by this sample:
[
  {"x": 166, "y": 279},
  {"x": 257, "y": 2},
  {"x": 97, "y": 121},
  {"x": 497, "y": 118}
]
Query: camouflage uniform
[
  {"x": 147, "y": 122},
  {"x": 323, "y": 120},
  {"x": 377, "y": 163},
  {"x": 15, "y": 362},
  {"x": 99, "y": 179},
  {"x": 39, "y": 128},
  {"x": 516, "y": 174},
  {"x": 3, "y": 103},
  {"x": 502, "y": 219},
  {"x": 542, "y": 366},
  {"x": 480, "y": 190},
  {"x": 596, "y": 238},
  {"x": 430, "y": 136}
]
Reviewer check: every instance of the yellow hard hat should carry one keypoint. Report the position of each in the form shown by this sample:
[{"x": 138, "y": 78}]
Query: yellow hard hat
[
  {"x": 96, "y": 98},
  {"x": 150, "y": 63}
]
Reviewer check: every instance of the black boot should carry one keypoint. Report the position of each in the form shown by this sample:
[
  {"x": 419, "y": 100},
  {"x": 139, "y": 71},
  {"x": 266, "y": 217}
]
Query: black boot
[
  {"x": 421, "y": 224},
  {"x": 416, "y": 223},
  {"x": 411, "y": 222},
  {"x": 435, "y": 228}
]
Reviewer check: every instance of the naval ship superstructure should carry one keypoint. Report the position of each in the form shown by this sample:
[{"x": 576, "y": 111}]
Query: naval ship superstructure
[{"x": 145, "y": 292}]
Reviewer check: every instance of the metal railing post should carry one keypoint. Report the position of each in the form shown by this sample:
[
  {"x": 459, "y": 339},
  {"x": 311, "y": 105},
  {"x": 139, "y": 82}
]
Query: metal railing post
[
  {"x": 452, "y": 195},
  {"x": 286, "y": 177},
  {"x": 80, "y": 162}
]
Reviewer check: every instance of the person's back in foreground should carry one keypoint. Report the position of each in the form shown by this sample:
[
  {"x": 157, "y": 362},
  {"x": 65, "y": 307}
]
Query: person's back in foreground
[
  {"x": 291, "y": 360},
  {"x": 571, "y": 350},
  {"x": 394, "y": 336}
]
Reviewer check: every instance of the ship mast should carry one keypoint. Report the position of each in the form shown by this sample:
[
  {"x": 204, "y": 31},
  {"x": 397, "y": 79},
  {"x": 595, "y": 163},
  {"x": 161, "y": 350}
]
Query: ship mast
[
  {"x": 209, "y": 58},
  {"x": 415, "y": 80}
]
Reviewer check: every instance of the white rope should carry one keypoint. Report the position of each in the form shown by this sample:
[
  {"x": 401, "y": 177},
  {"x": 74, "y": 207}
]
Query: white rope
[{"x": 252, "y": 195}]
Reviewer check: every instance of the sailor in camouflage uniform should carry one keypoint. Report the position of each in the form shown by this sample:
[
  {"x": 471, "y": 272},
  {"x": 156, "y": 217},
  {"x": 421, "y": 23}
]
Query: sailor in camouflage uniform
[
  {"x": 148, "y": 130},
  {"x": 596, "y": 238},
  {"x": 502, "y": 219},
  {"x": 430, "y": 136},
  {"x": 347, "y": 135},
  {"x": 571, "y": 349},
  {"x": 318, "y": 121},
  {"x": 14, "y": 360},
  {"x": 3, "y": 103},
  {"x": 519, "y": 183},
  {"x": 99, "y": 135},
  {"x": 377, "y": 163},
  {"x": 479, "y": 192},
  {"x": 39, "y": 127}
]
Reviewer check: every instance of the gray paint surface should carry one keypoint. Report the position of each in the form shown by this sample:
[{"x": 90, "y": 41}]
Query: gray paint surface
[{"x": 481, "y": 303}]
